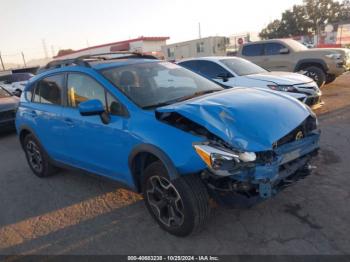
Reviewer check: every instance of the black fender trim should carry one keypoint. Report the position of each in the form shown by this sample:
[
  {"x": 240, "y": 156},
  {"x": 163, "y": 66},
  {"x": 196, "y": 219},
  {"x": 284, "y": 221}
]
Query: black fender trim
[
  {"x": 157, "y": 152},
  {"x": 26, "y": 128},
  {"x": 311, "y": 61}
]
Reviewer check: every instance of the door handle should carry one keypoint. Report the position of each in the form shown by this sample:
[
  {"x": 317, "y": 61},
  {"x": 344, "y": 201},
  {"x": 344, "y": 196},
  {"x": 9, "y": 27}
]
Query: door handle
[
  {"x": 33, "y": 113},
  {"x": 69, "y": 122}
]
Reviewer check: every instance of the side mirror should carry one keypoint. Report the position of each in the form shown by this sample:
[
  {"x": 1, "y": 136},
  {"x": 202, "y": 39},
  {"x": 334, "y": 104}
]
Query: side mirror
[
  {"x": 94, "y": 107},
  {"x": 224, "y": 76},
  {"x": 17, "y": 93},
  {"x": 284, "y": 51}
]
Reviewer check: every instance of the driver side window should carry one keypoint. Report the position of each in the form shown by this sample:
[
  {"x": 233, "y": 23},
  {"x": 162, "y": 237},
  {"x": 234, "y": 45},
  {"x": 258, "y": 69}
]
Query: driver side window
[
  {"x": 273, "y": 48},
  {"x": 81, "y": 88},
  {"x": 211, "y": 69}
]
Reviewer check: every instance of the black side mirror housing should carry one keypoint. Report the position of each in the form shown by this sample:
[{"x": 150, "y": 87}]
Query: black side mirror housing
[
  {"x": 224, "y": 76},
  {"x": 17, "y": 93}
]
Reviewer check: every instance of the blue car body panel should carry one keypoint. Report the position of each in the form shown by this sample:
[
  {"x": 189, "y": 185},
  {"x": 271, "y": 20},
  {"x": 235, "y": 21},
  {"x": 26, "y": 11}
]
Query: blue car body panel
[{"x": 248, "y": 119}]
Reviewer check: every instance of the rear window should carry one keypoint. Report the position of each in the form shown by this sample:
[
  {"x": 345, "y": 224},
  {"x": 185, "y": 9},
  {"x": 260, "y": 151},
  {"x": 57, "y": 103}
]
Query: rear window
[
  {"x": 253, "y": 50},
  {"x": 49, "y": 90}
]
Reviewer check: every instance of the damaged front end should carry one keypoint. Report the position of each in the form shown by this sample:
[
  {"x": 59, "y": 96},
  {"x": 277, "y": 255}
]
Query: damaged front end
[
  {"x": 253, "y": 144},
  {"x": 253, "y": 176}
]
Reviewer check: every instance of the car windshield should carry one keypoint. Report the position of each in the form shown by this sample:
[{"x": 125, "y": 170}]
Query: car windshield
[
  {"x": 154, "y": 84},
  {"x": 242, "y": 67},
  {"x": 4, "y": 93}
]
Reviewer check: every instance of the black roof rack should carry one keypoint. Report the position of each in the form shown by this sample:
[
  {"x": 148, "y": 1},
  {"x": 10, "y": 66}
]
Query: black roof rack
[{"x": 85, "y": 59}]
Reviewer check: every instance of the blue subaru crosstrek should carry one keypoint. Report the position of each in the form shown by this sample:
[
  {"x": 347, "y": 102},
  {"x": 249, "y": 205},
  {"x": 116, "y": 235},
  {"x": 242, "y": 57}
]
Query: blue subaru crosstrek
[{"x": 165, "y": 132}]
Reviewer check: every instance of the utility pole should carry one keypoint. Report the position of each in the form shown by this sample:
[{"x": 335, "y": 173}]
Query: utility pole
[
  {"x": 24, "y": 61},
  {"x": 2, "y": 62},
  {"x": 45, "y": 49},
  {"x": 52, "y": 51},
  {"x": 199, "y": 30}
]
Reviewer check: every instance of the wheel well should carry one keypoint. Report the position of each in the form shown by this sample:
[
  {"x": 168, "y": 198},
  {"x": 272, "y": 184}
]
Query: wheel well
[
  {"x": 22, "y": 135},
  {"x": 139, "y": 163},
  {"x": 308, "y": 64}
]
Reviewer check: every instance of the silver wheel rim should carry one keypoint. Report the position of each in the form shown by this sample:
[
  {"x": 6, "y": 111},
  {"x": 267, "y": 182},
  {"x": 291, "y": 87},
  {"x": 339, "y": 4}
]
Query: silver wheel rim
[
  {"x": 34, "y": 156},
  {"x": 165, "y": 201},
  {"x": 312, "y": 75}
]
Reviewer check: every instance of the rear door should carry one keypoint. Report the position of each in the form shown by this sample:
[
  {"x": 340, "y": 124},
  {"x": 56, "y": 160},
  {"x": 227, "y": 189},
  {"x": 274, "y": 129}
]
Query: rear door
[
  {"x": 45, "y": 113},
  {"x": 273, "y": 60},
  {"x": 254, "y": 53}
]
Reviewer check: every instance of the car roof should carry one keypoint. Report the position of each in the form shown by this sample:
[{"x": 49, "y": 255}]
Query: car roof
[
  {"x": 104, "y": 64},
  {"x": 276, "y": 40},
  {"x": 99, "y": 61},
  {"x": 210, "y": 58}
]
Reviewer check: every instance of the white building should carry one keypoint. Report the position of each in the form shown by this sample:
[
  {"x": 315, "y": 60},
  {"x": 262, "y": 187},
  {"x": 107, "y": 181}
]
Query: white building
[
  {"x": 209, "y": 46},
  {"x": 148, "y": 45}
]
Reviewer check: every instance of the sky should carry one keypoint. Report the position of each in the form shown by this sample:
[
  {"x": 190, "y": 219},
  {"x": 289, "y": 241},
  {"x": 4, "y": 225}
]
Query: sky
[{"x": 76, "y": 24}]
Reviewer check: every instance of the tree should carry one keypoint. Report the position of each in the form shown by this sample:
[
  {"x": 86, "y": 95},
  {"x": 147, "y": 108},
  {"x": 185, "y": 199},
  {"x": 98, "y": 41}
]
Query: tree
[{"x": 310, "y": 17}]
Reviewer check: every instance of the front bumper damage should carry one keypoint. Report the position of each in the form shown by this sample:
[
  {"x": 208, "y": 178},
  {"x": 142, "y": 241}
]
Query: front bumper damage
[{"x": 264, "y": 180}]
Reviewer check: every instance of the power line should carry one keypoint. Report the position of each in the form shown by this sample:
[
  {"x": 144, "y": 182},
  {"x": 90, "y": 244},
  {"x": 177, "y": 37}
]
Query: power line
[{"x": 24, "y": 61}]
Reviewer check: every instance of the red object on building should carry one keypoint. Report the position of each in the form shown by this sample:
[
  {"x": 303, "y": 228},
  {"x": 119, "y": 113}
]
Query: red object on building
[
  {"x": 329, "y": 46},
  {"x": 121, "y": 45}
]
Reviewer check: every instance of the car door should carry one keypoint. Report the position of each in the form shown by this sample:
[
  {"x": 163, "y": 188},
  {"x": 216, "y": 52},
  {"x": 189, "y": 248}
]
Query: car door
[
  {"x": 91, "y": 144},
  {"x": 274, "y": 60},
  {"x": 45, "y": 113},
  {"x": 254, "y": 53}
]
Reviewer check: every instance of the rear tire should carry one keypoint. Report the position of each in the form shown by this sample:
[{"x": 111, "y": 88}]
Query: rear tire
[
  {"x": 37, "y": 158},
  {"x": 180, "y": 206},
  {"x": 317, "y": 74}
]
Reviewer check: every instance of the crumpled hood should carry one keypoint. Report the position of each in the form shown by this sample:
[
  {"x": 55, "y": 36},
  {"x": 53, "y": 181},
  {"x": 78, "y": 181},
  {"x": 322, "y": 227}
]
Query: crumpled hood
[
  {"x": 247, "y": 118},
  {"x": 8, "y": 103},
  {"x": 281, "y": 78}
]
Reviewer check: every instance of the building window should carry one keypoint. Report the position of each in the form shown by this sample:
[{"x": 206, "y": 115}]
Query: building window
[
  {"x": 200, "y": 47},
  {"x": 171, "y": 52}
]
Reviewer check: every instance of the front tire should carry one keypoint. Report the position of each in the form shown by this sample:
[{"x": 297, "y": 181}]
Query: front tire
[
  {"x": 180, "y": 206},
  {"x": 330, "y": 79},
  {"x": 317, "y": 74},
  {"x": 37, "y": 158}
]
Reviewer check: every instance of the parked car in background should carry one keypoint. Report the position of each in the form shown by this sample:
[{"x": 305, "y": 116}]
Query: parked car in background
[
  {"x": 321, "y": 64},
  {"x": 164, "y": 131},
  {"x": 15, "y": 83},
  {"x": 8, "y": 107},
  {"x": 235, "y": 71}
]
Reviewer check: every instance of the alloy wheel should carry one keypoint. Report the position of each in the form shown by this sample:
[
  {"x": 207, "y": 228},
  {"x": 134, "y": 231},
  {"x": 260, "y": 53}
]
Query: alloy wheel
[
  {"x": 34, "y": 156},
  {"x": 312, "y": 75},
  {"x": 165, "y": 201}
]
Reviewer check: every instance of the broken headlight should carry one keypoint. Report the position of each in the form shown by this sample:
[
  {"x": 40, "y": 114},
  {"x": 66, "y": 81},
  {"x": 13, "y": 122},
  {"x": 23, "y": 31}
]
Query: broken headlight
[
  {"x": 284, "y": 88},
  {"x": 219, "y": 158}
]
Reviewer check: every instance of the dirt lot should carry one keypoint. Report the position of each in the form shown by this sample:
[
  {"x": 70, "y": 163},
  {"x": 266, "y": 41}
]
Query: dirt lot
[{"x": 71, "y": 213}]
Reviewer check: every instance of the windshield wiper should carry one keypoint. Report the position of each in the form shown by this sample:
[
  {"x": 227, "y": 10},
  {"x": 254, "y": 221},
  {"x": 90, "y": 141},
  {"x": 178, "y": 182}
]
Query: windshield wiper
[
  {"x": 166, "y": 103},
  {"x": 200, "y": 93}
]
